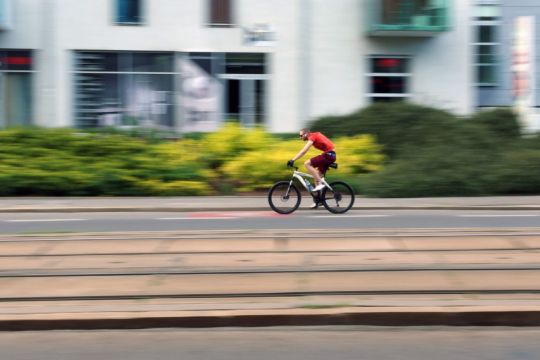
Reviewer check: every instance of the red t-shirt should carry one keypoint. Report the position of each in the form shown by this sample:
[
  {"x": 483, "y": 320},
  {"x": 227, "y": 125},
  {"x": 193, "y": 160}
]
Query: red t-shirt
[{"x": 321, "y": 142}]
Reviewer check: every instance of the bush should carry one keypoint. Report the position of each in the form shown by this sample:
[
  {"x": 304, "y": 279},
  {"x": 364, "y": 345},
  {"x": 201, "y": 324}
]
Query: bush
[
  {"x": 501, "y": 123},
  {"x": 65, "y": 162},
  {"x": 231, "y": 141},
  {"x": 442, "y": 170},
  {"x": 395, "y": 125},
  {"x": 434, "y": 153},
  {"x": 14, "y": 182},
  {"x": 171, "y": 188},
  {"x": 460, "y": 166},
  {"x": 259, "y": 169},
  {"x": 517, "y": 172},
  {"x": 421, "y": 152}
]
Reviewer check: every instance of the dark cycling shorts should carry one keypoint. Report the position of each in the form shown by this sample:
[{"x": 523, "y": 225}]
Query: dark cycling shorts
[{"x": 323, "y": 161}]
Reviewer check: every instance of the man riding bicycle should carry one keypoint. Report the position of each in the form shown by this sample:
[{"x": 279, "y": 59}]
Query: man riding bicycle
[{"x": 318, "y": 165}]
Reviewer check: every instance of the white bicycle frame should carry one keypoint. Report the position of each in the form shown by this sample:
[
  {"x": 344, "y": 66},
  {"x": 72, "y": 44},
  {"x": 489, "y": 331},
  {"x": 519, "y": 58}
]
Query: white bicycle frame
[{"x": 301, "y": 176}]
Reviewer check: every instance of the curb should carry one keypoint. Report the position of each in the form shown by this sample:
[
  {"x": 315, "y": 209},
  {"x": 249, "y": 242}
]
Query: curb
[
  {"x": 261, "y": 208},
  {"x": 391, "y": 318}
]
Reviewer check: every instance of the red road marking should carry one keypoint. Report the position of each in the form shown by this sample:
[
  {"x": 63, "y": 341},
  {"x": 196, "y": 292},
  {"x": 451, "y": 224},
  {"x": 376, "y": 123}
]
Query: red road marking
[{"x": 232, "y": 214}]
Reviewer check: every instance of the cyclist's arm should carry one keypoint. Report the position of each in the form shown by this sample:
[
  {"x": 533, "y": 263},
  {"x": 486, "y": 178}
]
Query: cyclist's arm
[{"x": 303, "y": 151}]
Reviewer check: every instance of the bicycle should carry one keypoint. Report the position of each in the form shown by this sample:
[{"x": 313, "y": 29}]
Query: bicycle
[{"x": 284, "y": 196}]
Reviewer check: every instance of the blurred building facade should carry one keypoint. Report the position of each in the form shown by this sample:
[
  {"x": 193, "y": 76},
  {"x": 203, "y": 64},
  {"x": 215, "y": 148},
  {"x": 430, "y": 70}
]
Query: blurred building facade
[
  {"x": 189, "y": 65},
  {"x": 506, "y": 57}
]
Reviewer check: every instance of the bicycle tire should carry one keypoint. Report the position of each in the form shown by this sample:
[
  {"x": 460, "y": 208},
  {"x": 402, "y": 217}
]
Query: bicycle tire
[
  {"x": 340, "y": 199},
  {"x": 282, "y": 202}
]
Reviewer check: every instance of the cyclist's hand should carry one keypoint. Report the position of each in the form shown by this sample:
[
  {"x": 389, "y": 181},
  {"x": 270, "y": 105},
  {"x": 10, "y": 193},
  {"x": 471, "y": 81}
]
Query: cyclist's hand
[{"x": 290, "y": 163}]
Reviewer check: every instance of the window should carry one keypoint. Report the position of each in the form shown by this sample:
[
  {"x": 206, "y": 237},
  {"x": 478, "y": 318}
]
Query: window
[
  {"x": 224, "y": 86},
  {"x": 12, "y": 60},
  {"x": 486, "y": 43},
  {"x": 245, "y": 63},
  {"x": 15, "y": 87},
  {"x": 388, "y": 78},
  {"x": 124, "y": 89},
  {"x": 399, "y": 12},
  {"x": 220, "y": 13},
  {"x": 129, "y": 12}
]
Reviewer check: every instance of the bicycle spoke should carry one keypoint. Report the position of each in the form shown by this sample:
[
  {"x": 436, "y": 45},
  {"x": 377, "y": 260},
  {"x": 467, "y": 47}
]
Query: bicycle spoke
[
  {"x": 284, "y": 198},
  {"x": 340, "y": 199}
]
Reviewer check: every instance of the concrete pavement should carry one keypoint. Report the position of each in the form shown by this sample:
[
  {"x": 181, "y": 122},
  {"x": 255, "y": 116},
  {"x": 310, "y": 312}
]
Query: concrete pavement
[
  {"x": 253, "y": 203},
  {"x": 415, "y": 310}
]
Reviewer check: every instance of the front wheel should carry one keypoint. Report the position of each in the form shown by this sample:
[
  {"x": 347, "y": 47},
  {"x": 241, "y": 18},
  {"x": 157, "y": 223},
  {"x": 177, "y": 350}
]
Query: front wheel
[
  {"x": 338, "y": 200},
  {"x": 284, "y": 197}
]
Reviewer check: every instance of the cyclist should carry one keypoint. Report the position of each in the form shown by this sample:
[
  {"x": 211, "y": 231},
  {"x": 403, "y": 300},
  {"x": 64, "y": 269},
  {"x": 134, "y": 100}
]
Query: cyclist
[{"x": 318, "y": 165}]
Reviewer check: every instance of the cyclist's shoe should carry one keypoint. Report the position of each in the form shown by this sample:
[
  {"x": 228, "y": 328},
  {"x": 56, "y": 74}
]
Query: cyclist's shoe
[
  {"x": 318, "y": 187},
  {"x": 315, "y": 205}
]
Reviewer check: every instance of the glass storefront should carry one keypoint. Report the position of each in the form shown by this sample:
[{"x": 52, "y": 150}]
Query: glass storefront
[
  {"x": 124, "y": 89},
  {"x": 223, "y": 87}
]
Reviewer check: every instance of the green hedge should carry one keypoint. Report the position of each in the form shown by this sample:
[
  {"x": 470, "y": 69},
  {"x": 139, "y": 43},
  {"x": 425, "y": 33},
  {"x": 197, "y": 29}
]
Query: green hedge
[
  {"x": 395, "y": 125},
  {"x": 259, "y": 168},
  {"x": 435, "y": 153},
  {"x": 66, "y": 162},
  {"x": 442, "y": 170},
  {"x": 384, "y": 150}
]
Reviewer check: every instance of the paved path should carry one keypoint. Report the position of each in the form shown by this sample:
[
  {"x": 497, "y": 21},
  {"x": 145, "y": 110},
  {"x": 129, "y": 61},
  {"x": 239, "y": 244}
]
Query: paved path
[
  {"x": 243, "y": 203},
  {"x": 261, "y": 278}
]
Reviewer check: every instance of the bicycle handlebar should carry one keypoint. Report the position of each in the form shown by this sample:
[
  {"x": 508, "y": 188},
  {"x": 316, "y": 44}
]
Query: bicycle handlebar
[{"x": 294, "y": 167}]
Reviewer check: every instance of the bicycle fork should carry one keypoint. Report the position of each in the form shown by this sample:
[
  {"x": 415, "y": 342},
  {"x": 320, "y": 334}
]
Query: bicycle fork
[{"x": 288, "y": 190}]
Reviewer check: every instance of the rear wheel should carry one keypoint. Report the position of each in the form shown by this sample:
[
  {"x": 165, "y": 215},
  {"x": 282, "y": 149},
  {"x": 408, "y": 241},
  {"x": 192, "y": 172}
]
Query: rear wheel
[
  {"x": 284, "y": 197},
  {"x": 338, "y": 200}
]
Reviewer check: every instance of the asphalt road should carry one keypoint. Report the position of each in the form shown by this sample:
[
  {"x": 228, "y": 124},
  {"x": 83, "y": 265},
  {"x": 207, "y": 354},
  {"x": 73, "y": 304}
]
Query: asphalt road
[
  {"x": 318, "y": 343},
  {"x": 227, "y": 220}
]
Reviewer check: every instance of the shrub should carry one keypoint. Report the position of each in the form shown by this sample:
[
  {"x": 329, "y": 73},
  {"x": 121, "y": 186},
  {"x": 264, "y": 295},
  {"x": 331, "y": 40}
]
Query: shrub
[
  {"x": 462, "y": 166},
  {"x": 517, "y": 172},
  {"x": 231, "y": 141},
  {"x": 501, "y": 123},
  {"x": 64, "y": 162},
  {"x": 261, "y": 168},
  {"x": 442, "y": 170},
  {"x": 181, "y": 187},
  {"x": 394, "y": 125}
]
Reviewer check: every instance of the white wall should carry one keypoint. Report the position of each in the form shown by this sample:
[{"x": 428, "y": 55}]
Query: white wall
[
  {"x": 32, "y": 30},
  {"x": 336, "y": 57},
  {"x": 441, "y": 74},
  {"x": 318, "y": 63}
]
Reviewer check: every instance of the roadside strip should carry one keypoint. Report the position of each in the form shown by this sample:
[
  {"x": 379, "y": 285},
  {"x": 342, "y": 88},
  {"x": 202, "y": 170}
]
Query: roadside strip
[{"x": 451, "y": 316}]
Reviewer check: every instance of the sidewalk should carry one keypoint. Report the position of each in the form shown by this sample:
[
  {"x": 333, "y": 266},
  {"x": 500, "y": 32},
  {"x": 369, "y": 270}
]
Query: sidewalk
[
  {"x": 251, "y": 203},
  {"x": 413, "y": 310}
]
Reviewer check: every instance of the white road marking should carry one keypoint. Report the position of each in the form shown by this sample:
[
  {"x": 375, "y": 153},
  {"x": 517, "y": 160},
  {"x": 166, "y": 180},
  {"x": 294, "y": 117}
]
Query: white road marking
[
  {"x": 349, "y": 216},
  {"x": 43, "y": 220},
  {"x": 499, "y": 215},
  {"x": 199, "y": 218}
]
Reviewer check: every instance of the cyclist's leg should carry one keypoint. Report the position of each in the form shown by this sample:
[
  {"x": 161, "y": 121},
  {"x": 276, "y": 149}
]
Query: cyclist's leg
[
  {"x": 328, "y": 160},
  {"x": 313, "y": 165}
]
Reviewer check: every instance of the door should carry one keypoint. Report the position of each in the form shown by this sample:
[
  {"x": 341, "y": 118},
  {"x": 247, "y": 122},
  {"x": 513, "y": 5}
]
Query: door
[{"x": 245, "y": 100}]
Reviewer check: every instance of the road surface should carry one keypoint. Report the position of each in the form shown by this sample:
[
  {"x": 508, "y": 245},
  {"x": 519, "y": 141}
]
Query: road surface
[
  {"x": 305, "y": 219},
  {"x": 317, "y": 343}
]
